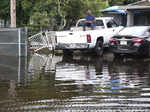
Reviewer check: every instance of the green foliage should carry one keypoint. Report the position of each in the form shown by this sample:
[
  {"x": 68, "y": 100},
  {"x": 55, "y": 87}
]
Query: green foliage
[
  {"x": 116, "y": 2},
  {"x": 76, "y": 9},
  {"x": 4, "y": 9},
  {"x": 60, "y": 13},
  {"x": 130, "y": 1},
  {"x": 121, "y": 2},
  {"x": 54, "y": 14}
]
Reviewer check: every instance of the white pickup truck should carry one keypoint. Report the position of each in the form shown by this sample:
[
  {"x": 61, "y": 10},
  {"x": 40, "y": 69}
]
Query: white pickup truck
[{"x": 77, "y": 39}]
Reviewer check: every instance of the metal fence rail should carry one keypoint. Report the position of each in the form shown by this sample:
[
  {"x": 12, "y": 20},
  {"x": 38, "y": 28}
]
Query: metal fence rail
[{"x": 42, "y": 40}]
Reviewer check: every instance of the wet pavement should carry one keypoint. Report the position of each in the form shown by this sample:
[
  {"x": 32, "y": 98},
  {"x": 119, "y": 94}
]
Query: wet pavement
[{"x": 83, "y": 83}]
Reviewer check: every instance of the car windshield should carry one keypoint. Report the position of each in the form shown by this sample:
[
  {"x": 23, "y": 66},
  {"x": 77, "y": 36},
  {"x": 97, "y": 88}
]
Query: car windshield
[{"x": 133, "y": 31}]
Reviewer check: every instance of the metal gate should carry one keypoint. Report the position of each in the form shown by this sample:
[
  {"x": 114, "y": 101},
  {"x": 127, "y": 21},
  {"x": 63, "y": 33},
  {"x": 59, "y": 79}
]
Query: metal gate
[{"x": 42, "y": 40}]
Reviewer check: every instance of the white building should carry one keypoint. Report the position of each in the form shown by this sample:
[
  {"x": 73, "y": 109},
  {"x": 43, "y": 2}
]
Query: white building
[{"x": 137, "y": 13}]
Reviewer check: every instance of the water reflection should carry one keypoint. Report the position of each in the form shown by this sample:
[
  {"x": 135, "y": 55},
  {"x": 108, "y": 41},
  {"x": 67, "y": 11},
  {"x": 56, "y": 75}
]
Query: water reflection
[
  {"x": 40, "y": 62},
  {"x": 12, "y": 89},
  {"x": 115, "y": 83},
  {"x": 74, "y": 83},
  {"x": 13, "y": 68}
]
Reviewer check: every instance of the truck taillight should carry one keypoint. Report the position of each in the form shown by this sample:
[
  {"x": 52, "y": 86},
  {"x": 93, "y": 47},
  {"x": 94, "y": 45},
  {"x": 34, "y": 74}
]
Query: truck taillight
[
  {"x": 56, "y": 39},
  {"x": 89, "y": 38},
  {"x": 138, "y": 40},
  {"x": 112, "y": 40}
]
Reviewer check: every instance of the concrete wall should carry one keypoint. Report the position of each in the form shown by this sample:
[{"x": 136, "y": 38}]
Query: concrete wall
[{"x": 13, "y": 42}]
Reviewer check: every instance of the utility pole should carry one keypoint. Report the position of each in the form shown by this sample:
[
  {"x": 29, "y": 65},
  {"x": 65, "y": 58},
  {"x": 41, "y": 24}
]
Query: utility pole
[{"x": 13, "y": 13}]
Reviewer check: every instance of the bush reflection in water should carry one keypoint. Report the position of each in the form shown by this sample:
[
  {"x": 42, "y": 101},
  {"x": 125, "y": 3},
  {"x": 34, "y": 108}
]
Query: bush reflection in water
[{"x": 56, "y": 83}]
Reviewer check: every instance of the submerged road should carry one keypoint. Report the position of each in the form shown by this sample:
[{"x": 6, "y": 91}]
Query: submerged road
[{"x": 57, "y": 83}]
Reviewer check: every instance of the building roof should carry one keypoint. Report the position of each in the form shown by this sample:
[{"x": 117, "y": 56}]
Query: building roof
[
  {"x": 140, "y": 5},
  {"x": 136, "y": 7},
  {"x": 142, "y": 2},
  {"x": 143, "y": 5}
]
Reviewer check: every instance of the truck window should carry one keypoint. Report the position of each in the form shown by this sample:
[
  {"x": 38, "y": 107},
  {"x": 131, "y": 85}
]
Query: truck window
[
  {"x": 80, "y": 23},
  {"x": 99, "y": 23},
  {"x": 111, "y": 24}
]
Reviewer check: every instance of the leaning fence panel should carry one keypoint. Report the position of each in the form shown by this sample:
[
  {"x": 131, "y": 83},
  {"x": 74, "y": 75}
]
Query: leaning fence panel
[{"x": 42, "y": 40}]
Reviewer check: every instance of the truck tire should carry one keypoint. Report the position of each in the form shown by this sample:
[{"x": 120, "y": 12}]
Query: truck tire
[{"x": 99, "y": 48}]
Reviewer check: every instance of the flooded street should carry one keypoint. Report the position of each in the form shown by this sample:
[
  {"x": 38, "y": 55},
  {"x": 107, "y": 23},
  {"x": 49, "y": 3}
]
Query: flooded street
[{"x": 57, "y": 83}]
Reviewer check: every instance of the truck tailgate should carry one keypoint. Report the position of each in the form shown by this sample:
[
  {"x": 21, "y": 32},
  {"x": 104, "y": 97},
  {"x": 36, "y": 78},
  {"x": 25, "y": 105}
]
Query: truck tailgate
[{"x": 71, "y": 37}]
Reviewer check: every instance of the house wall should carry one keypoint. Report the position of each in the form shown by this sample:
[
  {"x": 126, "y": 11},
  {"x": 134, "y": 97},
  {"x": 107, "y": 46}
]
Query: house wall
[
  {"x": 138, "y": 18},
  {"x": 138, "y": 13},
  {"x": 142, "y": 19},
  {"x": 130, "y": 18}
]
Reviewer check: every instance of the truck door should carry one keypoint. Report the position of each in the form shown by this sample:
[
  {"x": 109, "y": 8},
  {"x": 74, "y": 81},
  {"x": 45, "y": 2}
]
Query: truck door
[{"x": 112, "y": 28}]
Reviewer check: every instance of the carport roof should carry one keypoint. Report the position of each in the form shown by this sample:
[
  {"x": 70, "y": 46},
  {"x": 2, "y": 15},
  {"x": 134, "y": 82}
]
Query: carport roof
[{"x": 115, "y": 9}]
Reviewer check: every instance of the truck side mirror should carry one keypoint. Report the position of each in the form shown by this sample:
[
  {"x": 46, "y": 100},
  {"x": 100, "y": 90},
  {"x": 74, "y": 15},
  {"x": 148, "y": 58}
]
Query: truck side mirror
[
  {"x": 71, "y": 29},
  {"x": 109, "y": 25}
]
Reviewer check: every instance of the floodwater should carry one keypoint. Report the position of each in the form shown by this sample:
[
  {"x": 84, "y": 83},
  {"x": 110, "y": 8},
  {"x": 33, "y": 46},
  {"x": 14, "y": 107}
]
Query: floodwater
[{"x": 56, "y": 83}]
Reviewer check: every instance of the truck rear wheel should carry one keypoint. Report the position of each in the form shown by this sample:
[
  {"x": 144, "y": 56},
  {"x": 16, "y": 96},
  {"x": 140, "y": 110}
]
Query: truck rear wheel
[{"x": 99, "y": 48}]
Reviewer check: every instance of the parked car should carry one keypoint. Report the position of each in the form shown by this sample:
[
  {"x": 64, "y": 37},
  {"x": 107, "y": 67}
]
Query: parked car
[{"x": 133, "y": 40}]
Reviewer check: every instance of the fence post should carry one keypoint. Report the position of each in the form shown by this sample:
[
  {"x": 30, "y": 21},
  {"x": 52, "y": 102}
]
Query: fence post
[{"x": 13, "y": 13}]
